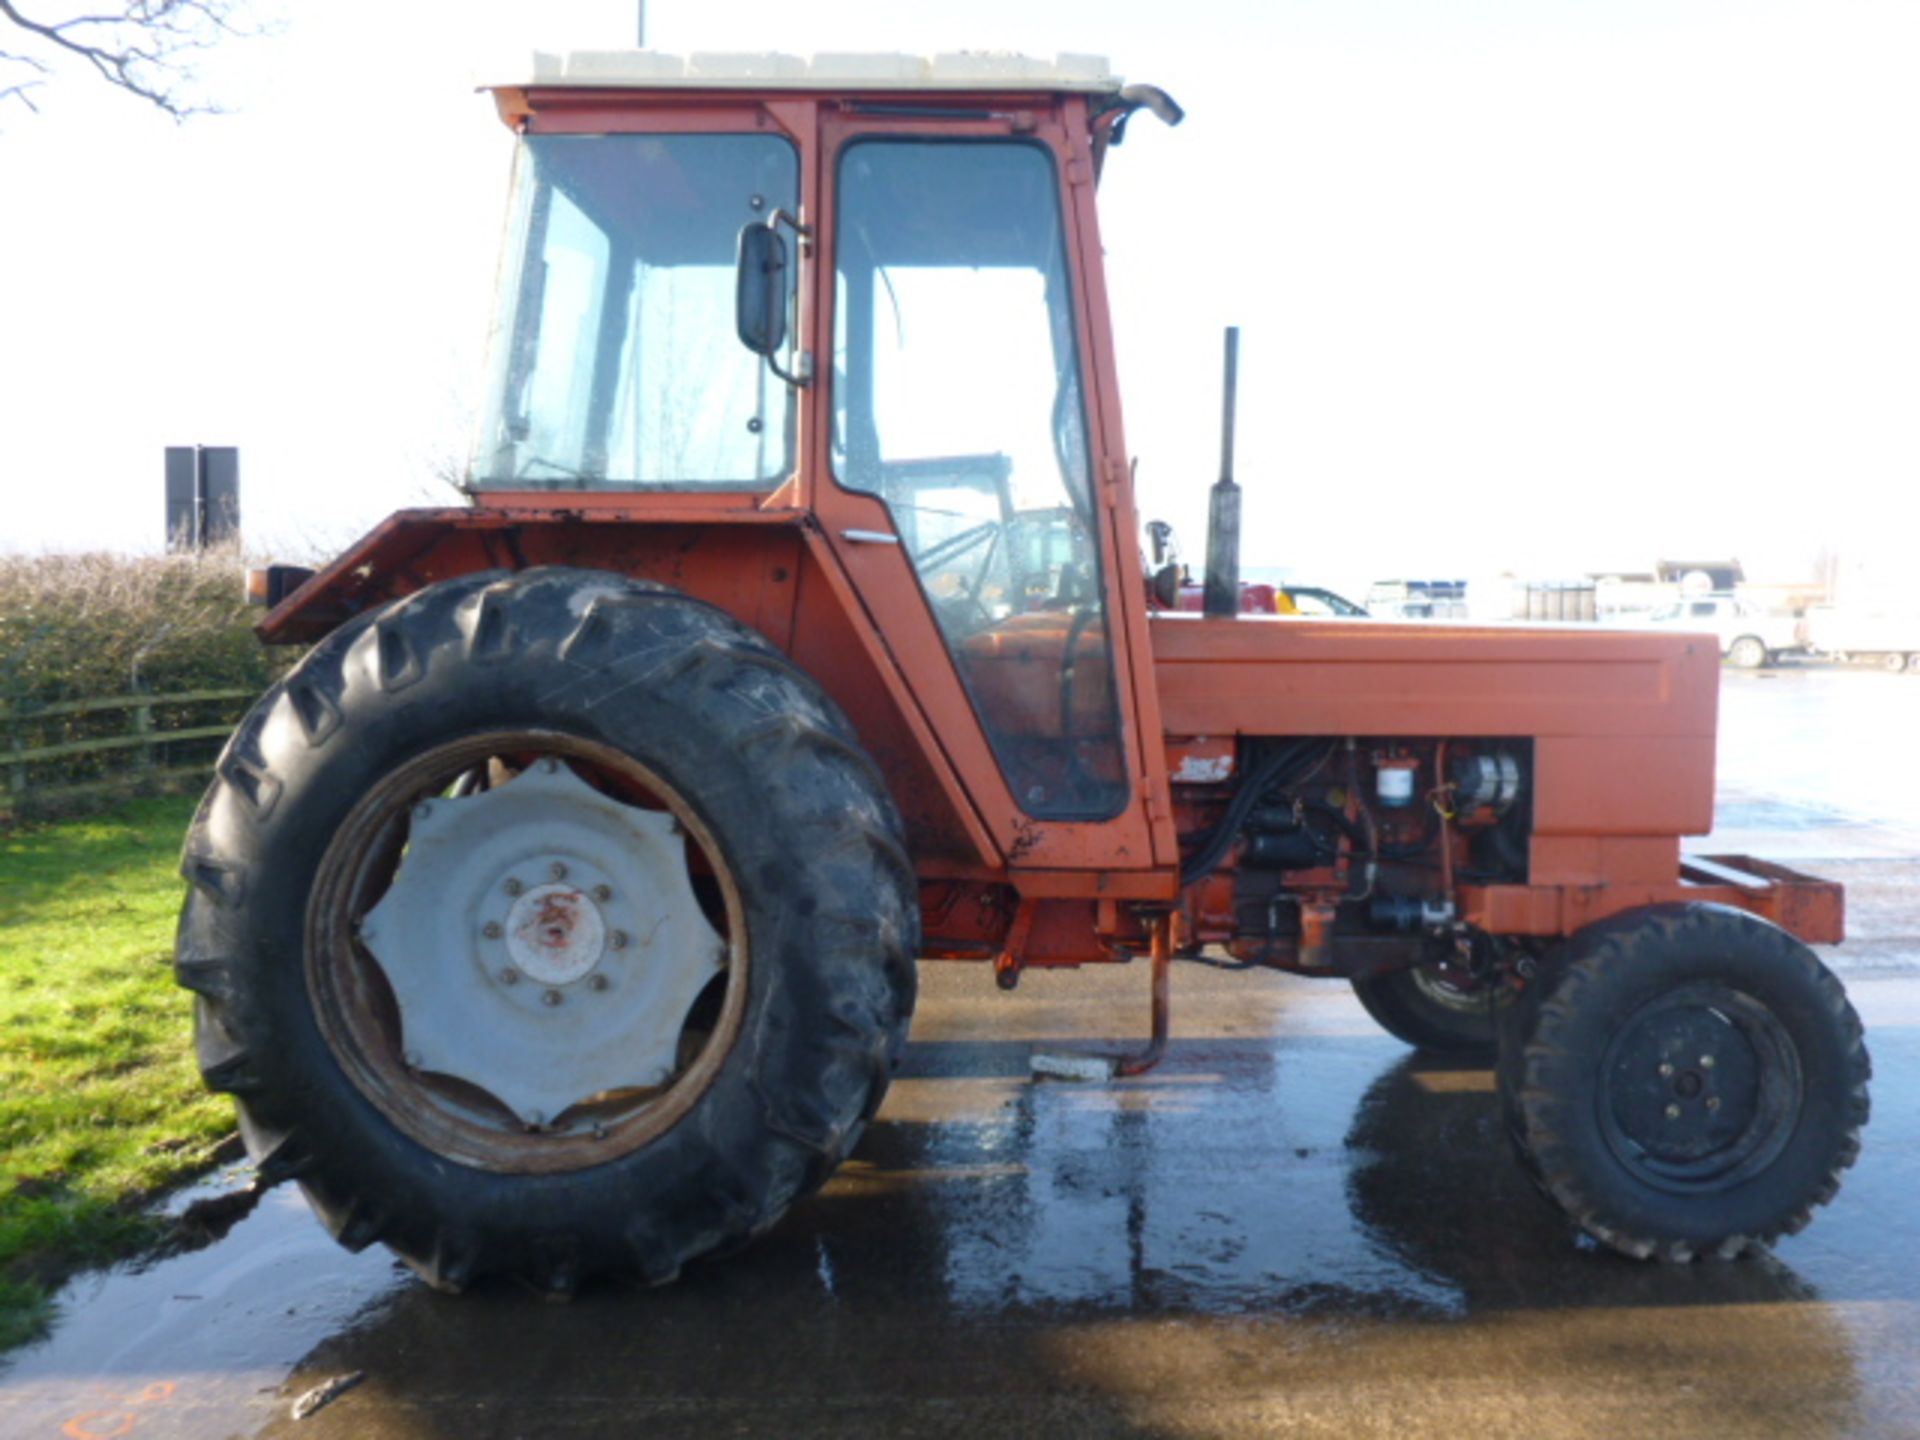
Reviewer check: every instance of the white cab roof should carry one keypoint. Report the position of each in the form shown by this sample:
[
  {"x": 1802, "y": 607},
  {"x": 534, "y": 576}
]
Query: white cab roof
[{"x": 964, "y": 70}]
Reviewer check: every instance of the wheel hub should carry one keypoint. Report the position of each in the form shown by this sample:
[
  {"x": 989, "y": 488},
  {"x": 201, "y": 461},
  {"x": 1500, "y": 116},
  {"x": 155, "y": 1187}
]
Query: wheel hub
[
  {"x": 543, "y": 942},
  {"x": 554, "y": 933}
]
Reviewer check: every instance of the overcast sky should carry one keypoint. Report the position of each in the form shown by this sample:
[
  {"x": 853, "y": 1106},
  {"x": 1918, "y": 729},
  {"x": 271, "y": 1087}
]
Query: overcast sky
[{"x": 1549, "y": 285}]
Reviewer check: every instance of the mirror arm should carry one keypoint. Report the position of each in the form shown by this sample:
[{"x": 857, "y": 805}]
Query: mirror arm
[
  {"x": 779, "y": 217},
  {"x": 801, "y": 375}
]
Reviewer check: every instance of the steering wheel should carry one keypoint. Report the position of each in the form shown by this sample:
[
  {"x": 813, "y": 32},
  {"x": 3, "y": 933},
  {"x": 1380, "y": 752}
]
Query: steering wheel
[
  {"x": 957, "y": 544},
  {"x": 965, "y": 607}
]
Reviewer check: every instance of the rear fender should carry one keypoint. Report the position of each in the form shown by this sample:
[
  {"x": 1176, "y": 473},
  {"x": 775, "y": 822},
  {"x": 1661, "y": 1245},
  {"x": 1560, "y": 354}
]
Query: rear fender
[{"x": 762, "y": 567}]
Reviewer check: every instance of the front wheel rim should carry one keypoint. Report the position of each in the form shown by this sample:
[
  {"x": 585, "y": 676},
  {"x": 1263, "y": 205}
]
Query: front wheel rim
[
  {"x": 1434, "y": 985},
  {"x": 1700, "y": 1089},
  {"x": 471, "y": 1031}
]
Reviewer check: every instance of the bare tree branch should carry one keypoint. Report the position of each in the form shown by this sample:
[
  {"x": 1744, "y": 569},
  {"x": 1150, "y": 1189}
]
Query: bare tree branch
[
  {"x": 144, "y": 47},
  {"x": 18, "y": 89}
]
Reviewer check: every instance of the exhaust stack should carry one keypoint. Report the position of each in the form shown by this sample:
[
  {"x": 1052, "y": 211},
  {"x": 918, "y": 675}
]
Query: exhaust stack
[{"x": 1222, "y": 588}]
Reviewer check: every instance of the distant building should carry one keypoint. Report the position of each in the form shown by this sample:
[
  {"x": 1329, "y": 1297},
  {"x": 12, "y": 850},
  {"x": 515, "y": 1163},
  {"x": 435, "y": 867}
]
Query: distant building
[{"x": 1721, "y": 575}]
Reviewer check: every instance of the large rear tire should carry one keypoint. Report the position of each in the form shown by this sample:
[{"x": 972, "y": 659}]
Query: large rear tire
[
  {"x": 548, "y": 925},
  {"x": 1690, "y": 1082}
]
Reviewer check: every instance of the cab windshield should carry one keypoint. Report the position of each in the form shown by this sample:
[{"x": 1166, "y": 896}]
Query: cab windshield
[{"x": 613, "y": 359}]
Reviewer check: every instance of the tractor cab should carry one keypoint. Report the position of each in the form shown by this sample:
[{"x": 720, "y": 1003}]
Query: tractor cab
[{"x": 851, "y": 289}]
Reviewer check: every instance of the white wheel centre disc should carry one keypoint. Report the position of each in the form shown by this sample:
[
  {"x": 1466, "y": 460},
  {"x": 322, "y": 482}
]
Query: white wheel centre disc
[{"x": 543, "y": 941}]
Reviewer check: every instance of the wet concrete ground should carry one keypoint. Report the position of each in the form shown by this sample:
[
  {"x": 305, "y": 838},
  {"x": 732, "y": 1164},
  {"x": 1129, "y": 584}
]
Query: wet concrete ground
[{"x": 1293, "y": 1226}]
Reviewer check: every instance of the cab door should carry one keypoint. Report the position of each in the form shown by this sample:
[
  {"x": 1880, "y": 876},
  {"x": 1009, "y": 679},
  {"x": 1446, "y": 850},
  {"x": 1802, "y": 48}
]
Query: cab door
[{"x": 968, "y": 486}]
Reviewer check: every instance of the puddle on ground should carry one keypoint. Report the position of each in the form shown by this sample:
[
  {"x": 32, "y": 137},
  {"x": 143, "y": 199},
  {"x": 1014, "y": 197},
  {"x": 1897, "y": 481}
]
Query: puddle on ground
[{"x": 196, "y": 1344}]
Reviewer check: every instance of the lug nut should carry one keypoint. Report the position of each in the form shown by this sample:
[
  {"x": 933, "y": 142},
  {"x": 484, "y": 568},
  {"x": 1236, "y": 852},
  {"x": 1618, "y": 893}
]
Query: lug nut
[
  {"x": 512, "y": 886},
  {"x": 509, "y": 976},
  {"x": 550, "y": 998},
  {"x": 1706, "y": 1062},
  {"x": 1666, "y": 1072},
  {"x": 597, "y": 982},
  {"x": 603, "y": 893},
  {"x": 618, "y": 940},
  {"x": 557, "y": 870},
  {"x": 1673, "y": 1112},
  {"x": 491, "y": 930}
]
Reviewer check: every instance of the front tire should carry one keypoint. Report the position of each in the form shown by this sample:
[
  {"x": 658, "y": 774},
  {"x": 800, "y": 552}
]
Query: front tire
[
  {"x": 1749, "y": 652},
  {"x": 1692, "y": 1083},
  {"x": 655, "y": 780}
]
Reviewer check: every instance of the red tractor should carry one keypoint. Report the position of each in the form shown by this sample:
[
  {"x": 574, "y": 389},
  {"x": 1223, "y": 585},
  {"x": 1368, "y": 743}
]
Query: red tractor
[{"x": 559, "y": 912}]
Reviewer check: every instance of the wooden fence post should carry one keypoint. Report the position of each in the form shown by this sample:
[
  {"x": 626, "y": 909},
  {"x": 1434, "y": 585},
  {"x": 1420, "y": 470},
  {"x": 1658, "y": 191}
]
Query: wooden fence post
[
  {"x": 16, "y": 773},
  {"x": 143, "y": 725}
]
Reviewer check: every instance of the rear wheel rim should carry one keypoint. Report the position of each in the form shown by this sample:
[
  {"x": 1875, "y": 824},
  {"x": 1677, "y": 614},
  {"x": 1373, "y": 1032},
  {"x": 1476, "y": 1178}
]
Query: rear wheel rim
[
  {"x": 1700, "y": 1089},
  {"x": 366, "y": 1018}
]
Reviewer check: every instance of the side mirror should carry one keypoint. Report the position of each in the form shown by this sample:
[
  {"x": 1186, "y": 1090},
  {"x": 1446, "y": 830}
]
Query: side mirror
[
  {"x": 760, "y": 290},
  {"x": 1160, "y": 537},
  {"x": 1163, "y": 577}
]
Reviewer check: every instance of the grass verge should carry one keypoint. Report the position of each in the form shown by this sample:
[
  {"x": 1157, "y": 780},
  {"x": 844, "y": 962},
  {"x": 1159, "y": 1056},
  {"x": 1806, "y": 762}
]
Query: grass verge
[{"x": 102, "y": 1105}]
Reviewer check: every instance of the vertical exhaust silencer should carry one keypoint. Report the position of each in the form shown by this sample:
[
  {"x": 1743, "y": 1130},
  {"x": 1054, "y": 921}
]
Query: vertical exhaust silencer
[{"x": 1222, "y": 589}]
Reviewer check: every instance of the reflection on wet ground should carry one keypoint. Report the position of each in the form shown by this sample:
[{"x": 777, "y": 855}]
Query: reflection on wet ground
[
  {"x": 1294, "y": 1223},
  {"x": 1793, "y": 784}
]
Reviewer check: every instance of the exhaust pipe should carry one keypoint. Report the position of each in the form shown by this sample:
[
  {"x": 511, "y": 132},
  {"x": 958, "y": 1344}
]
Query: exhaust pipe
[{"x": 1222, "y": 590}]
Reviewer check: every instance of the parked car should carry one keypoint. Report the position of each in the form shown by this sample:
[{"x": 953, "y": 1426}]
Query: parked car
[
  {"x": 1257, "y": 598},
  {"x": 1312, "y": 600},
  {"x": 1750, "y": 637}
]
